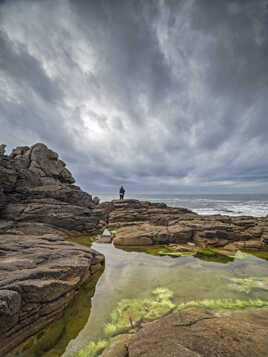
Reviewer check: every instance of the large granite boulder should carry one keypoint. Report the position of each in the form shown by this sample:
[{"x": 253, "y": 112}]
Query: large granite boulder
[
  {"x": 36, "y": 187},
  {"x": 39, "y": 276}
]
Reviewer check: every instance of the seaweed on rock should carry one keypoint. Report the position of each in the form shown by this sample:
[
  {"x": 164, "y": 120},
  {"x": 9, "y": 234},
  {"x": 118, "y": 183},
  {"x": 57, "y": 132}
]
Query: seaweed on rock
[
  {"x": 210, "y": 255},
  {"x": 228, "y": 304},
  {"x": 130, "y": 312},
  {"x": 93, "y": 349}
]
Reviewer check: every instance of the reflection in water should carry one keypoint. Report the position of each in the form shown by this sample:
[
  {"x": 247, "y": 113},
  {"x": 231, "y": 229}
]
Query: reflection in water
[{"x": 131, "y": 275}]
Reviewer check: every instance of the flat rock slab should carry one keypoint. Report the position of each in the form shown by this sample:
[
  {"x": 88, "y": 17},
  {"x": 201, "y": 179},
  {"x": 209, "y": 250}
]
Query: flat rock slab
[
  {"x": 145, "y": 223},
  {"x": 39, "y": 276},
  {"x": 198, "y": 332}
]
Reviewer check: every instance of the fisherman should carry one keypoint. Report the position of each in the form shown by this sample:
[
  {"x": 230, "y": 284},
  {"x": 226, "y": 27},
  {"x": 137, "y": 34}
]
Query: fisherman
[{"x": 122, "y": 192}]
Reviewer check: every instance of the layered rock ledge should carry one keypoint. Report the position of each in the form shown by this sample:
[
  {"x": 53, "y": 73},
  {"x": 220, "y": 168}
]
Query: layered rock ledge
[
  {"x": 145, "y": 223},
  {"x": 38, "y": 195},
  {"x": 39, "y": 276},
  {"x": 40, "y": 273}
]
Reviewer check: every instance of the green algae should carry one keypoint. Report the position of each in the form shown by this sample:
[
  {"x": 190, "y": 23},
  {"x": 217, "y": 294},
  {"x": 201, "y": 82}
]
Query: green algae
[
  {"x": 246, "y": 285},
  {"x": 128, "y": 314},
  {"x": 258, "y": 253},
  {"x": 131, "y": 314},
  {"x": 150, "y": 249},
  {"x": 223, "y": 304},
  {"x": 172, "y": 253},
  {"x": 83, "y": 240},
  {"x": 52, "y": 340},
  {"x": 160, "y": 250},
  {"x": 206, "y": 254},
  {"x": 93, "y": 349},
  {"x": 210, "y": 255}
]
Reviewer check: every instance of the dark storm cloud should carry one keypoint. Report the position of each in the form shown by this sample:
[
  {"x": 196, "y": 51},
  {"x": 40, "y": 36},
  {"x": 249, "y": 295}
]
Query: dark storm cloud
[
  {"x": 158, "y": 95},
  {"x": 25, "y": 71}
]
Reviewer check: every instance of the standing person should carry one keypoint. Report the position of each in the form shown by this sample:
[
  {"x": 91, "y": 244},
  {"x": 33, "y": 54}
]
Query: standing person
[{"x": 122, "y": 192}]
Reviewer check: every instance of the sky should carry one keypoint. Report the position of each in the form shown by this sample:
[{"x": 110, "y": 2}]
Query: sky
[{"x": 158, "y": 95}]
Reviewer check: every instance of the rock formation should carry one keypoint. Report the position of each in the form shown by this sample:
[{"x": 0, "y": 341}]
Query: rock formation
[
  {"x": 38, "y": 196},
  {"x": 198, "y": 333},
  {"x": 40, "y": 273},
  {"x": 2, "y": 149},
  {"x": 39, "y": 276},
  {"x": 144, "y": 223}
]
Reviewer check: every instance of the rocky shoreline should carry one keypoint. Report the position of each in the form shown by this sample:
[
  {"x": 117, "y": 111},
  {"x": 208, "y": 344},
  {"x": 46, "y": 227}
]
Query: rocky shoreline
[
  {"x": 141, "y": 223},
  {"x": 40, "y": 272}
]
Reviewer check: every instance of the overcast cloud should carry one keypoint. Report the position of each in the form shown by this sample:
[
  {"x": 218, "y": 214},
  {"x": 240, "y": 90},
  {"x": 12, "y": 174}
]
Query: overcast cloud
[{"x": 158, "y": 95}]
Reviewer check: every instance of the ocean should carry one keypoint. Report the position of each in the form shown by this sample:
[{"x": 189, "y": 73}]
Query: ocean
[{"x": 207, "y": 204}]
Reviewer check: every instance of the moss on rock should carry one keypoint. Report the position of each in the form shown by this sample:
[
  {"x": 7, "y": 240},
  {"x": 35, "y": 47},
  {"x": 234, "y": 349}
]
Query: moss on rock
[
  {"x": 211, "y": 255},
  {"x": 83, "y": 240},
  {"x": 52, "y": 340}
]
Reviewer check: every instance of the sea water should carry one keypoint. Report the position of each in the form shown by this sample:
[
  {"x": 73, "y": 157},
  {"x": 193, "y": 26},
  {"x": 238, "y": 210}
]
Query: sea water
[{"x": 232, "y": 204}]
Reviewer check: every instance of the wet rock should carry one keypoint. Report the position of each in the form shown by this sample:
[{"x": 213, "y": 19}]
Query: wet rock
[{"x": 39, "y": 276}]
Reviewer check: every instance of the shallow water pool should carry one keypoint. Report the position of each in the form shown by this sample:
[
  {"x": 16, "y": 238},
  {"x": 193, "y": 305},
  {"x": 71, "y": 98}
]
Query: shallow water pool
[{"x": 134, "y": 275}]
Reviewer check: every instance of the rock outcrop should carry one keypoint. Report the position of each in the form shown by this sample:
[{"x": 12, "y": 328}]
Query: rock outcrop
[
  {"x": 39, "y": 276},
  {"x": 144, "y": 223},
  {"x": 38, "y": 195},
  {"x": 40, "y": 273},
  {"x": 198, "y": 333}
]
